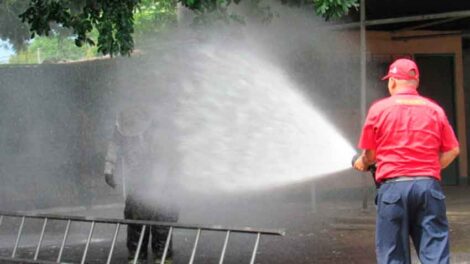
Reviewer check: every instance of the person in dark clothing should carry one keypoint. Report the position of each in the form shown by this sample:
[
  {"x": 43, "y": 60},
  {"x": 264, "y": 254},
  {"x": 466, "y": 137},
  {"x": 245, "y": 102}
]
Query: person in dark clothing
[{"x": 134, "y": 153}]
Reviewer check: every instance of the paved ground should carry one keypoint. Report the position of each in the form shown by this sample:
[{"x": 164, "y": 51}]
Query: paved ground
[
  {"x": 335, "y": 231},
  {"x": 353, "y": 230}
]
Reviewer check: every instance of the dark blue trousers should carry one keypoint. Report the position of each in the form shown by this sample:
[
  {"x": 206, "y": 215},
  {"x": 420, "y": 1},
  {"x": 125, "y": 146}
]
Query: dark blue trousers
[{"x": 413, "y": 209}]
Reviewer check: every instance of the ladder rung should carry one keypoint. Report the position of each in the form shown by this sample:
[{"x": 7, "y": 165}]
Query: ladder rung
[
  {"x": 90, "y": 234},
  {"x": 139, "y": 246},
  {"x": 196, "y": 241},
  {"x": 18, "y": 237},
  {"x": 255, "y": 249},
  {"x": 167, "y": 244},
  {"x": 224, "y": 248},
  {"x": 66, "y": 233},
  {"x": 113, "y": 243},
  {"x": 41, "y": 237}
]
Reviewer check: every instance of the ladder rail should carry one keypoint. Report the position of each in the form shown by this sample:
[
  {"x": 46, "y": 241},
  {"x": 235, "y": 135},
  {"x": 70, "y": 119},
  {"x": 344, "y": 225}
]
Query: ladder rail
[
  {"x": 146, "y": 225},
  {"x": 23, "y": 260},
  {"x": 276, "y": 232}
]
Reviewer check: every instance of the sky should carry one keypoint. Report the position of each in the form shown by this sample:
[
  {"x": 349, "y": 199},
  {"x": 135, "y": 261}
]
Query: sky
[{"x": 5, "y": 51}]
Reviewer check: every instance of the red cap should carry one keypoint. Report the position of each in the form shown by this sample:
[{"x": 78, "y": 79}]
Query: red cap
[{"x": 403, "y": 69}]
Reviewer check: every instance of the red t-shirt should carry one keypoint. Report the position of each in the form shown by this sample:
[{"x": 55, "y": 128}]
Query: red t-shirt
[{"x": 408, "y": 132}]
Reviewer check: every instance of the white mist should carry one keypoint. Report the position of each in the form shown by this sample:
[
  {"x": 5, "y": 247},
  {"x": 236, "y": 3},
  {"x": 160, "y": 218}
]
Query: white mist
[{"x": 245, "y": 125}]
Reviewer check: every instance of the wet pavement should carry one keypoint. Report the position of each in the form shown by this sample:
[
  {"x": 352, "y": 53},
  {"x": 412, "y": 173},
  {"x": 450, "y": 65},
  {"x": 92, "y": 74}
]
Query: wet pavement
[{"x": 336, "y": 230}]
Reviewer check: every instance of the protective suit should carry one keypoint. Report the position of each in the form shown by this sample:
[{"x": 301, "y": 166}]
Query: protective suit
[{"x": 133, "y": 153}]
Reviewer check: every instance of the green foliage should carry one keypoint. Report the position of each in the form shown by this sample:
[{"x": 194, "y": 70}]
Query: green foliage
[
  {"x": 116, "y": 20},
  {"x": 11, "y": 28},
  {"x": 52, "y": 49},
  {"x": 334, "y": 8},
  {"x": 113, "y": 20},
  {"x": 154, "y": 16},
  {"x": 57, "y": 43}
]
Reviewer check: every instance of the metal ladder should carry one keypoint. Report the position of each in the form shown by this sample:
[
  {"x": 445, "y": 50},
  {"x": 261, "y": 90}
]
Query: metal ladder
[{"x": 118, "y": 223}]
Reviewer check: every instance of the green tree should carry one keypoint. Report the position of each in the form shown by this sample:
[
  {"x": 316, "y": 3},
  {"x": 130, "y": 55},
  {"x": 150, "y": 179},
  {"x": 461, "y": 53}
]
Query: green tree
[
  {"x": 115, "y": 20},
  {"x": 11, "y": 28},
  {"x": 150, "y": 18},
  {"x": 52, "y": 49},
  {"x": 154, "y": 16}
]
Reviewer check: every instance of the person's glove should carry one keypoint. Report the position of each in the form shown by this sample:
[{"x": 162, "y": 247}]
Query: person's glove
[{"x": 109, "y": 178}]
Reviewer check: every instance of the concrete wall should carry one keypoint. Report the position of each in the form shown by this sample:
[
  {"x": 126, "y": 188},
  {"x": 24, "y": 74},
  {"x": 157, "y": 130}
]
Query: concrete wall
[{"x": 52, "y": 131}]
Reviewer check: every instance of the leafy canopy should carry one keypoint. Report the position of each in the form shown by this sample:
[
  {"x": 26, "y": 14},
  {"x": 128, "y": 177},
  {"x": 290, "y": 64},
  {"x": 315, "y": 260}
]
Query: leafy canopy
[
  {"x": 54, "y": 48},
  {"x": 11, "y": 28},
  {"x": 114, "y": 20},
  {"x": 149, "y": 19}
]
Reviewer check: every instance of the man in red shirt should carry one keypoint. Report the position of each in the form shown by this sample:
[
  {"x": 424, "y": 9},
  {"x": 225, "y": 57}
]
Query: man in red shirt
[{"x": 410, "y": 140}]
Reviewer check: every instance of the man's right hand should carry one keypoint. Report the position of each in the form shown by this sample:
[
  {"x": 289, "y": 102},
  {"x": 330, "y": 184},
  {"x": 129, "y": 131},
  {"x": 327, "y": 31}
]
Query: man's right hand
[
  {"x": 360, "y": 165},
  {"x": 109, "y": 178}
]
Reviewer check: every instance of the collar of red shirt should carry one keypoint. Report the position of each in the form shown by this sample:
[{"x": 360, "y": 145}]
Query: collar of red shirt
[{"x": 407, "y": 91}]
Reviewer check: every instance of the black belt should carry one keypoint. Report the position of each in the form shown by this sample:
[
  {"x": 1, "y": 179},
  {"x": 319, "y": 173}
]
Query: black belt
[{"x": 408, "y": 178}]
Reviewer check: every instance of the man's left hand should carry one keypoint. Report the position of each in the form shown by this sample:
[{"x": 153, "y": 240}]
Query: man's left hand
[{"x": 109, "y": 179}]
